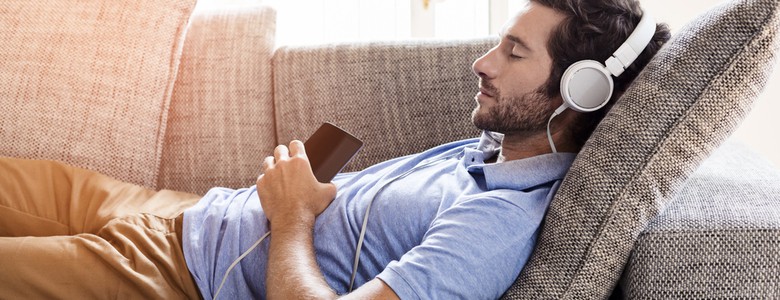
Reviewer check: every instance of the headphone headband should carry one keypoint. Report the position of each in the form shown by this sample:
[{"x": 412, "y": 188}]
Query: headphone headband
[
  {"x": 587, "y": 84},
  {"x": 633, "y": 46}
]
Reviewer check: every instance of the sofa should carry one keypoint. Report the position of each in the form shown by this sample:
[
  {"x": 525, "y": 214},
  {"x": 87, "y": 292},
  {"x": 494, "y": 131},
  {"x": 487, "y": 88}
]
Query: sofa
[{"x": 660, "y": 203}]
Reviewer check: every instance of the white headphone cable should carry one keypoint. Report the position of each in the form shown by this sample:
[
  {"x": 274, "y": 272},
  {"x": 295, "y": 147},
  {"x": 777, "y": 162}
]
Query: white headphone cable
[
  {"x": 360, "y": 239},
  {"x": 235, "y": 262},
  {"x": 557, "y": 112},
  {"x": 368, "y": 210}
]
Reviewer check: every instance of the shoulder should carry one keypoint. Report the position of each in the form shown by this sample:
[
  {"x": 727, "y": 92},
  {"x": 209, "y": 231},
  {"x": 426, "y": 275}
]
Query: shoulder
[{"x": 538, "y": 195}]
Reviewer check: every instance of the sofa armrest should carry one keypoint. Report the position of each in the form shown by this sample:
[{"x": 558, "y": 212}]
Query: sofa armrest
[
  {"x": 719, "y": 237},
  {"x": 399, "y": 98}
]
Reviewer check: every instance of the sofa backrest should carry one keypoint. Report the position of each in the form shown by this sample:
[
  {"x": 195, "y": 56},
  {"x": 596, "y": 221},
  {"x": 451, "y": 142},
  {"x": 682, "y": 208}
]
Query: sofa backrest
[
  {"x": 221, "y": 122},
  {"x": 399, "y": 98}
]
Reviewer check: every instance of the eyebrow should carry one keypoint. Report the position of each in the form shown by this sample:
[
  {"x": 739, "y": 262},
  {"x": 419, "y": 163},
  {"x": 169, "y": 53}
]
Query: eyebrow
[{"x": 518, "y": 41}]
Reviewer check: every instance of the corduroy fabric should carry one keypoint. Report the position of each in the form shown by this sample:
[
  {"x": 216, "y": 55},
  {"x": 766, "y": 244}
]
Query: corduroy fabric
[
  {"x": 681, "y": 107},
  {"x": 89, "y": 82},
  {"x": 221, "y": 120},
  {"x": 399, "y": 98},
  {"x": 718, "y": 238}
]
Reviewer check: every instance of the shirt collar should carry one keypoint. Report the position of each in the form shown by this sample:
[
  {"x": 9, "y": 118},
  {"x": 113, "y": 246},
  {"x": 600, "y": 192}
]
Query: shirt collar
[
  {"x": 518, "y": 174},
  {"x": 490, "y": 142}
]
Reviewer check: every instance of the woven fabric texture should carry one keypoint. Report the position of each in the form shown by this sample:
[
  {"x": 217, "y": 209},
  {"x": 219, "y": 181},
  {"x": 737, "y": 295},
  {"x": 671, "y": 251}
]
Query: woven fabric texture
[
  {"x": 680, "y": 108},
  {"x": 89, "y": 82},
  {"x": 398, "y": 98},
  {"x": 722, "y": 229},
  {"x": 221, "y": 121}
]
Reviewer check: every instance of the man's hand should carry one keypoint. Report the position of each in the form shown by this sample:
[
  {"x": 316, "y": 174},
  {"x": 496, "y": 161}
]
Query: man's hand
[
  {"x": 292, "y": 198},
  {"x": 288, "y": 190}
]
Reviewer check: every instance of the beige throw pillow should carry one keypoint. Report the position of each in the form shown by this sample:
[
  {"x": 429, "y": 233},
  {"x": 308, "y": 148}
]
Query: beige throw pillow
[
  {"x": 221, "y": 121},
  {"x": 89, "y": 82}
]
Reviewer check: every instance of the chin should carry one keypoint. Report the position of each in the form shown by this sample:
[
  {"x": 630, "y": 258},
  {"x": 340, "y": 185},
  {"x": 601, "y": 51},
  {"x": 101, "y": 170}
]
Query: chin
[
  {"x": 475, "y": 117},
  {"x": 481, "y": 121}
]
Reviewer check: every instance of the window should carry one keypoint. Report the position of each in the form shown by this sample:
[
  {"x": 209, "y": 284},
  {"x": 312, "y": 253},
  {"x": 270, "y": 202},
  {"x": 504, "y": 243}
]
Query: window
[{"x": 307, "y": 22}]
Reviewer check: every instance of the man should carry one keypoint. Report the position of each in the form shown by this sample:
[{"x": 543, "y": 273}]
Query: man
[{"x": 456, "y": 221}]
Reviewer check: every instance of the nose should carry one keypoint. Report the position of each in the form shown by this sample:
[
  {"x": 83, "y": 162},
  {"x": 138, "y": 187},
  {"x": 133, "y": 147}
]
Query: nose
[{"x": 486, "y": 66}]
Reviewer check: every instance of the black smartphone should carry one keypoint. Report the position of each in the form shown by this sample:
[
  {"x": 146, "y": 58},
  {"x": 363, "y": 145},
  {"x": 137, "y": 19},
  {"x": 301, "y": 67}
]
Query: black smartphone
[{"x": 329, "y": 149}]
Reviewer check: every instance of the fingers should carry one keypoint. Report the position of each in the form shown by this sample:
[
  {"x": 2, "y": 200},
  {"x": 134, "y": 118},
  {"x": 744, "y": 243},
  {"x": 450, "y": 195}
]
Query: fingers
[
  {"x": 281, "y": 153},
  {"x": 268, "y": 162},
  {"x": 297, "y": 148}
]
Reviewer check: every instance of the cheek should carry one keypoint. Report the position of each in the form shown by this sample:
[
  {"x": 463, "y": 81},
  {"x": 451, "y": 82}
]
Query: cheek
[
  {"x": 526, "y": 82},
  {"x": 542, "y": 73},
  {"x": 518, "y": 87}
]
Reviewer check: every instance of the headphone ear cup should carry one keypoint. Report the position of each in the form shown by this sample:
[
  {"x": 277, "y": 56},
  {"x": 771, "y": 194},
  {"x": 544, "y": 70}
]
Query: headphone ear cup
[{"x": 586, "y": 86}]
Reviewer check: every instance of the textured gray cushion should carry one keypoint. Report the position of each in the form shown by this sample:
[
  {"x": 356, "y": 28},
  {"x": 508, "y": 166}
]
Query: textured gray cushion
[
  {"x": 722, "y": 229},
  {"x": 688, "y": 99},
  {"x": 400, "y": 98}
]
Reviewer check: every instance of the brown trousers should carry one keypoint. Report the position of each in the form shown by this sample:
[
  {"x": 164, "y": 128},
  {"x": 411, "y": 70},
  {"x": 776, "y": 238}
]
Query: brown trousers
[{"x": 69, "y": 233}]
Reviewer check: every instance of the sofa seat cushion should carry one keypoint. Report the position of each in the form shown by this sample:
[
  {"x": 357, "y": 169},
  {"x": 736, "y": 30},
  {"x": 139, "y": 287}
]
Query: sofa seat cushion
[
  {"x": 89, "y": 82},
  {"x": 722, "y": 229},
  {"x": 683, "y": 105}
]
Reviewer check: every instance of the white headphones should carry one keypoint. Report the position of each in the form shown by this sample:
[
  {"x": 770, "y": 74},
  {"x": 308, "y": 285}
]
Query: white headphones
[{"x": 587, "y": 85}]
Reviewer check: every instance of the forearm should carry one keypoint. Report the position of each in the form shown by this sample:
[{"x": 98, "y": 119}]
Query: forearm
[
  {"x": 293, "y": 272},
  {"x": 291, "y": 198}
]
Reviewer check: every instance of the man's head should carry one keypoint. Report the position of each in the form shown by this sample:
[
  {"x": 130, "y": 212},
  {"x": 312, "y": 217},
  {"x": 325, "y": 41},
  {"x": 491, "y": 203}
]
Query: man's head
[
  {"x": 520, "y": 77},
  {"x": 513, "y": 72}
]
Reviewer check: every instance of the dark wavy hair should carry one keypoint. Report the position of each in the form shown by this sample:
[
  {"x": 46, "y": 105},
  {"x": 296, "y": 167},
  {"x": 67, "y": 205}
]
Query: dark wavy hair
[{"x": 594, "y": 29}]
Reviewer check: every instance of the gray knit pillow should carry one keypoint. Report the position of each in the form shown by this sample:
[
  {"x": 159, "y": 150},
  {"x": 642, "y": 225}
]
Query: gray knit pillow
[{"x": 685, "y": 103}]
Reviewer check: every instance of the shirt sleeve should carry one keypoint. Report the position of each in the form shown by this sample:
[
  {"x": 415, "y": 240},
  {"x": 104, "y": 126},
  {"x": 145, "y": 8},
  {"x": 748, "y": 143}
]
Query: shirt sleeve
[{"x": 473, "y": 250}]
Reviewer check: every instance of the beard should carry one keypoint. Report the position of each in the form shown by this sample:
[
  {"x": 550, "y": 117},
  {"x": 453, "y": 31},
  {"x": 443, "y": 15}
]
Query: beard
[{"x": 524, "y": 113}]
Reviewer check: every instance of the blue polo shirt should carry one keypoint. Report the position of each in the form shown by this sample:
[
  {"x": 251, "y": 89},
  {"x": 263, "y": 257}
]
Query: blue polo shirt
[{"x": 443, "y": 224}]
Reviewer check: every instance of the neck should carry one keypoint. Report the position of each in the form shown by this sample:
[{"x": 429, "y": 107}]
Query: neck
[
  {"x": 520, "y": 146},
  {"x": 524, "y": 145}
]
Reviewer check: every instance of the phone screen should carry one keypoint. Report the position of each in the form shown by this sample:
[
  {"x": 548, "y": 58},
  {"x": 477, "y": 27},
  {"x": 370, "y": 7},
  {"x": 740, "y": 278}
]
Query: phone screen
[{"x": 330, "y": 149}]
